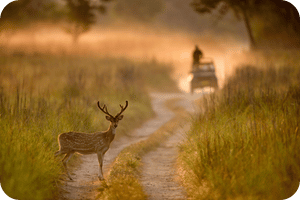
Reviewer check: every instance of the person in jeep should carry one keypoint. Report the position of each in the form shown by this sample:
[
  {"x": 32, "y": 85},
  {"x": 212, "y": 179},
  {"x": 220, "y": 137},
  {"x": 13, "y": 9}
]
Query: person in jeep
[{"x": 197, "y": 55}]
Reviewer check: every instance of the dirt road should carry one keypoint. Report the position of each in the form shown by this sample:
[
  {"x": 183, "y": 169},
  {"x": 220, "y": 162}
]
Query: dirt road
[
  {"x": 85, "y": 183},
  {"x": 159, "y": 177}
]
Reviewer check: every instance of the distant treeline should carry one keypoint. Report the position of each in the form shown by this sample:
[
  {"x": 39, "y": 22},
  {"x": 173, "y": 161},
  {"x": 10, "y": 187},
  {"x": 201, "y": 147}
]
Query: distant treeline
[
  {"x": 269, "y": 23},
  {"x": 74, "y": 16}
]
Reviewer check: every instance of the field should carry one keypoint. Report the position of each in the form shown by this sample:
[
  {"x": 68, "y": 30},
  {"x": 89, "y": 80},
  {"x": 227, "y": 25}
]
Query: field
[
  {"x": 43, "y": 95},
  {"x": 245, "y": 143},
  {"x": 242, "y": 146}
]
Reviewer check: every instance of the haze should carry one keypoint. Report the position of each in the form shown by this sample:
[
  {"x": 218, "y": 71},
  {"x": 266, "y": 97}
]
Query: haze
[{"x": 170, "y": 38}]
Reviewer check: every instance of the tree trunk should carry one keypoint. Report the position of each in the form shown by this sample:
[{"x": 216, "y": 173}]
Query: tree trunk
[{"x": 249, "y": 29}]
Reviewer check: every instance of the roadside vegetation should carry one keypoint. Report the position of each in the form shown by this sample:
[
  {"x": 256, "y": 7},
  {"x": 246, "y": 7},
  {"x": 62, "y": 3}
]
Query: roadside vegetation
[
  {"x": 245, "y": 143},
  {"x": 123, "y": 179},
  {"x": 43, "y": 95}
]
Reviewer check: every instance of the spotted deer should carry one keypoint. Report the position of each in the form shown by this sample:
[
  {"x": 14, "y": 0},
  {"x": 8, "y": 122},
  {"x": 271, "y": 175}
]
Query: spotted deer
[{"x": 89, "y": 143}]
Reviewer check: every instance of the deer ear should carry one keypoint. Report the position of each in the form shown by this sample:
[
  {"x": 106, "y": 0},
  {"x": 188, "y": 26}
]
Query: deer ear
[
  {"x": 108, "y": 118},
  {"x": 120, "y": 117}
]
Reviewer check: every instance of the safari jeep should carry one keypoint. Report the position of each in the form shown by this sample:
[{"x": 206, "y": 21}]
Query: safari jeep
[{"x": 204, "y": 75}]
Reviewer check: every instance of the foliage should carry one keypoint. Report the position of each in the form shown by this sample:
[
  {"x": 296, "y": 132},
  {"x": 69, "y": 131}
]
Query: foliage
[
  {"x": 139, "y": 10},
  {"x": 81, "y": 15},
  {"x": 77, "y": 16},
  {"x": 247, "y": 9},
  {"x": 280, "y": 27},
  {"x": 242, "y": 9},
  {"x": 20, "y": 14},
  {"x": 245, "y": 145}
]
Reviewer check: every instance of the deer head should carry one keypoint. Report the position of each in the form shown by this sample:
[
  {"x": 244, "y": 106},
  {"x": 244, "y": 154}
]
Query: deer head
[{"x": 113, "y": 119}]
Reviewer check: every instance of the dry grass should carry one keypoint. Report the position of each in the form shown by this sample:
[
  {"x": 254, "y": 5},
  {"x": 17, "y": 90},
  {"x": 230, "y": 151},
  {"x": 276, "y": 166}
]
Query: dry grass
[{"x": 43, "y": 95}]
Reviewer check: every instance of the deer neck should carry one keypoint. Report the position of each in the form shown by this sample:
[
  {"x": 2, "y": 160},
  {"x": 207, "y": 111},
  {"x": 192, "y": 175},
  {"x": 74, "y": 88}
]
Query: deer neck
[{"x": 111, "y": 132}]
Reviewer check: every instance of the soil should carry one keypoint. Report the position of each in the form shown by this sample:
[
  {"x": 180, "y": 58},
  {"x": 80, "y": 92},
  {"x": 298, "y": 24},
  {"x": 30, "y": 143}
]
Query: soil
[
  {"x": 85, "y": 181},
  {"x": 159, "y": 175}
]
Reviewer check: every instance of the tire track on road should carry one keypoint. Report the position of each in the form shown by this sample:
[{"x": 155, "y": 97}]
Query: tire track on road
[{"x": 159, "y": 177}]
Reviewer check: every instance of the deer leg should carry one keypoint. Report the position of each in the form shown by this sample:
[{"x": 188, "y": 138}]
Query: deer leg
[
  {"x": 65, "y": 160},
  {"x": 100, "y": 159},
  {"x": 58, "y": 153}
]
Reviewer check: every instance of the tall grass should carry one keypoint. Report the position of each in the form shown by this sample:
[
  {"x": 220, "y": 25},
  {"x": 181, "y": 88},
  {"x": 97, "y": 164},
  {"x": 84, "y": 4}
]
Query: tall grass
[
  {"x": 245, "y": 145},
  {"x": 42, "y": 96}
]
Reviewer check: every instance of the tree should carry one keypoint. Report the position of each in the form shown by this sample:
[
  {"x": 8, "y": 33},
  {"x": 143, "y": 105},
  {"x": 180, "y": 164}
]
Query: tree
[
  {"x": 81, "y": 15},
  {"x": 288, "y": 14},
  {"x": 277, "y": 25},
  {"x": 23, "y": 13},
  {"x": 246, "y": 10}
]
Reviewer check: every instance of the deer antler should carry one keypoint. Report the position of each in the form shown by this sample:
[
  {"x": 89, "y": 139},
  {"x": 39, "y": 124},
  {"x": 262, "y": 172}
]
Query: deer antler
[
  {"x": 104, "y": 109},
  {"x": 122, "y": 109}
]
